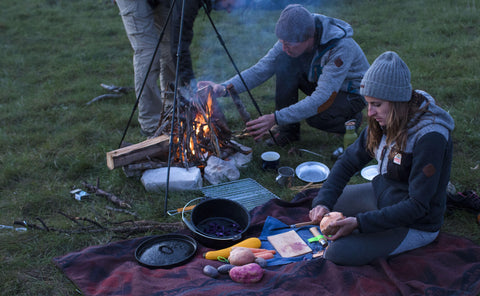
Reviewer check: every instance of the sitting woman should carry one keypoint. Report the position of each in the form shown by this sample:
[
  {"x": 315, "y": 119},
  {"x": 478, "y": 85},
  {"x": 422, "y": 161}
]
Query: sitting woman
[{"x": 403, "y": 207}]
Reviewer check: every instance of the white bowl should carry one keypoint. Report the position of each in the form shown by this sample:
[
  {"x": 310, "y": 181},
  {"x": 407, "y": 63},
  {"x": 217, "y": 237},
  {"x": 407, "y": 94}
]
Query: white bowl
[{"x": 369, "y": 172}]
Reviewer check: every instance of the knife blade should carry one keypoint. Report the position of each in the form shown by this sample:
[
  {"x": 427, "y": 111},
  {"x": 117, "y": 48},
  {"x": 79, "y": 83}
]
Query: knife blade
[{"x": 294, "y": 225}]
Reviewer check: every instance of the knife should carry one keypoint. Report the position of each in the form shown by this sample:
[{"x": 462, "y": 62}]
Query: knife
[{"x": 294, "y": 225}]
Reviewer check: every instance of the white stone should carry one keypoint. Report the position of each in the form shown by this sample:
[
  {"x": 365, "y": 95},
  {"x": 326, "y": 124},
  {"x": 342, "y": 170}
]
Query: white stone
[
  {"x": 218, "y": 171},
  {"x": 180, "y": 179},
  {"x": 239, "y": 159}
]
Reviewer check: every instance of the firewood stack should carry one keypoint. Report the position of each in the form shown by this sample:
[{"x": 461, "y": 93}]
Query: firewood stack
[{"x": 200, "y": 130}]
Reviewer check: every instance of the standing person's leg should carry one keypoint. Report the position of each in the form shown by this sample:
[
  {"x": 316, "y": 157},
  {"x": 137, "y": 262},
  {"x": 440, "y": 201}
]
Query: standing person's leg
[
  {"x": 138, "y": 20},
  {"x": 167, "y": 64}
]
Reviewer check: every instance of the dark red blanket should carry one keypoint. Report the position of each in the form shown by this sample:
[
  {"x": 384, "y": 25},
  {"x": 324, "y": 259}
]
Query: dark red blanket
[{"x": 448, "y": 266}]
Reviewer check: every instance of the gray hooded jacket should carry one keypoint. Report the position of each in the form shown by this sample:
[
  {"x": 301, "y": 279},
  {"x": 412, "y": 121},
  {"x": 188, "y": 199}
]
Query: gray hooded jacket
[{"x": 337, "y": 65}]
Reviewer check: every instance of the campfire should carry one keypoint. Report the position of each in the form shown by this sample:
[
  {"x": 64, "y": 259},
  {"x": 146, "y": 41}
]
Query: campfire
[{"x": 200, "y": 131}]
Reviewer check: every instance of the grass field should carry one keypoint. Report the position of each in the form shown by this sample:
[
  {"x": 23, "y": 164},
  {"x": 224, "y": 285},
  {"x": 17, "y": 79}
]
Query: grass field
[{"x": 55, "y": 54}]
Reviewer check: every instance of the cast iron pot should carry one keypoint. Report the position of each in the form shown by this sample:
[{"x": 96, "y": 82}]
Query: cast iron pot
[{"x": 217, "y": 222}]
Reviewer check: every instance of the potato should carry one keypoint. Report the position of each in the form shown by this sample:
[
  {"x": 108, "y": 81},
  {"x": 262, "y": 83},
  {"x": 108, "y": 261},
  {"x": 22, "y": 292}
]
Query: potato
[
  {"x": 210, "y": 271},
  {"x": 260, "y": 261},
  {"x": 241, "y": 256},
  {"x": 225, "y": 268},
  {"x": 327, "y": 220},
  {"x": 246, "y": 274}
]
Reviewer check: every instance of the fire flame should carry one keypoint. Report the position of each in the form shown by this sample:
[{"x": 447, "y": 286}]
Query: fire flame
[{"x": 193, "y": 143}]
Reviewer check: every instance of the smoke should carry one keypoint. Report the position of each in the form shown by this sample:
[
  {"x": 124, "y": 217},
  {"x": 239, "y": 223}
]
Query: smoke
[{"x": 248, "y": 32}]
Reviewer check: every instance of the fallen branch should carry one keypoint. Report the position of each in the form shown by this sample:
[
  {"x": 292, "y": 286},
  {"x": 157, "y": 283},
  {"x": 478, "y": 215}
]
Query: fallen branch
[
  {"x": 116, "y": 89},
  {"x": 130, "y": 227},
  {"x": 109, "y": 196},
  {"x": 105, "y": 96},
  {"x": 122, "y": 211}
]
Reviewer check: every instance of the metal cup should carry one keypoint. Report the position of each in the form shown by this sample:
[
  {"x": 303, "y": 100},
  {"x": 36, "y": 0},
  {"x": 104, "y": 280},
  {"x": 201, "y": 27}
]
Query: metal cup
[
  {"x": 285, "y": 176},
  {"x": 270, "y": 160}
]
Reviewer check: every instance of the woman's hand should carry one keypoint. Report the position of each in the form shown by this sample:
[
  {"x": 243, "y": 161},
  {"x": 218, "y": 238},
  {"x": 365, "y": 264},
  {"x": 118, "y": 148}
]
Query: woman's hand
[
  {"x": 345, "y": 227},
  {"x": 260, "y": 126},
  {"x": 316, "y": 214}
]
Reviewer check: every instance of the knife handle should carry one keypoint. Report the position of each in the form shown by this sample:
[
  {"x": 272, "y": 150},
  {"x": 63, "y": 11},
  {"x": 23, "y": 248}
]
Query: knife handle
[
  {"x": 315, "y": 231},
  {"x": 303, "y": 224},
  {"x": 179, "y": 210},
  {"x": 322, "y": 239}
]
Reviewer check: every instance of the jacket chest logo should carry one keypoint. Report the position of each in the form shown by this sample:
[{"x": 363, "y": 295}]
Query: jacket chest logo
[{"x": 397, "y": 159}]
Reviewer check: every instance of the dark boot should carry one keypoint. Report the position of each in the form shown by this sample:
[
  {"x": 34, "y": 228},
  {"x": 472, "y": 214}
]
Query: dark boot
[
  {"x": 467, "y": 199},
  {"x": 287, "y": 134}
]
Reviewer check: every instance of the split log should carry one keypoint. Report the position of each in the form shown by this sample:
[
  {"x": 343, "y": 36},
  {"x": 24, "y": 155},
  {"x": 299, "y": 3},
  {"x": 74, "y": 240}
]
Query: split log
[
  {"x": 238, "y": 103},
  {"x": 151, "y": 148}
]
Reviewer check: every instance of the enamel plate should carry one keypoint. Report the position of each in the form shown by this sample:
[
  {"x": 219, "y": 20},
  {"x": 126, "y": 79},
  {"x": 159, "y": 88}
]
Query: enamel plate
[
  {"x": 369, "y": 172},
  {"x": 312, "y": 171}
]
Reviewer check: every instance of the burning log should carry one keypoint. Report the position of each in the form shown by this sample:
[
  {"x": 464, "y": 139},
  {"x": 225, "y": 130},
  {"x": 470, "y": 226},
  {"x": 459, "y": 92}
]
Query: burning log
[
  {"x": 201, "y": 130},
  {"x": 238, "y": 103}
]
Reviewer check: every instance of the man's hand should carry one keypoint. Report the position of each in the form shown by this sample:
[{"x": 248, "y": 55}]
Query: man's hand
[
  {"x": 346, "y": 226},
  {"x": 217, "y": 89},
  {"x": 316, "y": 214},
  {"x": 260, "y": 126}
]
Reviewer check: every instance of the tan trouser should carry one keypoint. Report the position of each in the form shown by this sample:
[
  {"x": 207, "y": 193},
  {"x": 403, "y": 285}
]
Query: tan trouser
[{"x": 143, "y": 26}]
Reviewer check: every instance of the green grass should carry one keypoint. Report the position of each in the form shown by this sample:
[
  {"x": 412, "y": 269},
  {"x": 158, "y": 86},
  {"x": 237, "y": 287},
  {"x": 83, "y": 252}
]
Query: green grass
[{"x": 54, "y": 55}]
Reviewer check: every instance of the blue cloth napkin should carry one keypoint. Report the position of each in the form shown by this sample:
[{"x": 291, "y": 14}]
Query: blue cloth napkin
[{"x": 304, "y": 232}]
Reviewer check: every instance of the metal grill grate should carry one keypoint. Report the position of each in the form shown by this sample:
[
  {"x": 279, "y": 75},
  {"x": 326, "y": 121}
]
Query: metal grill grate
[{"x": 246, "y": 192}]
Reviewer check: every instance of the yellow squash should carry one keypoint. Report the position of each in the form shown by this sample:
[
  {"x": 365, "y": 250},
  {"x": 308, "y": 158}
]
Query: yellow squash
[{"x": 251, "y": 242}]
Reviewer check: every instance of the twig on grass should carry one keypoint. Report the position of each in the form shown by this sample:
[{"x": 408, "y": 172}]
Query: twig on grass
[
  {"x": 305, "y": 187},
  {"x": 122, "y": 211},
  {"x": 109, "y": 196},
  {"x": 125, "y": 227}
]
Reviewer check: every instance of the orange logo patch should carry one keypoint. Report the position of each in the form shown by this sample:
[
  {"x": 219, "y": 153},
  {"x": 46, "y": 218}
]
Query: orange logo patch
[{"x": 429, "y": 170}]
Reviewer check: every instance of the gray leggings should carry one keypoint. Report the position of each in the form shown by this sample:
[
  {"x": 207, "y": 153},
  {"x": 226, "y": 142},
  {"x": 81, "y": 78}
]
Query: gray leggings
[{"x": 361, "y": 248}]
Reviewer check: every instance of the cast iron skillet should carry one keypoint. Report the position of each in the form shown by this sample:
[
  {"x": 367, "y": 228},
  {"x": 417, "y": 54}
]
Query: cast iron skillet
[{"x": 165, "y": 251}]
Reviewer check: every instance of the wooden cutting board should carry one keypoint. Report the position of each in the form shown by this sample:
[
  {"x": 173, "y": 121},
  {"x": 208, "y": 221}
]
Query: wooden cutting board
[{"x": 289, "y": 244}]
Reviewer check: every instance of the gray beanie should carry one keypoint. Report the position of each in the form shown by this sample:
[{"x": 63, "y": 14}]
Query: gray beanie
[
  {"x": 296, "y": 24},
  {"x": 388, "y": 78}
]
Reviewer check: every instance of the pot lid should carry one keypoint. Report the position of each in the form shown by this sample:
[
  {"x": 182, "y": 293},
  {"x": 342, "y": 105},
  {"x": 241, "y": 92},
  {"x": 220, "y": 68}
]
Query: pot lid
[{"x": 166, "y": 251}]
